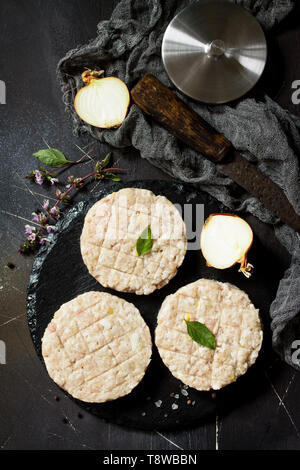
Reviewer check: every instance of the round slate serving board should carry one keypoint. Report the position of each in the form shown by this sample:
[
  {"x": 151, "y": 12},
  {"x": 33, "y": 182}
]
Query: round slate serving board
[{"x": 59, "y": 275}]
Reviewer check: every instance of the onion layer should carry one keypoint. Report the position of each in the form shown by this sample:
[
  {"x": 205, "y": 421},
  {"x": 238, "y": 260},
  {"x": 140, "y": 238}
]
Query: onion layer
[
  {"x": 103, "y": 102},
  {"x": 225, "y": 241}
]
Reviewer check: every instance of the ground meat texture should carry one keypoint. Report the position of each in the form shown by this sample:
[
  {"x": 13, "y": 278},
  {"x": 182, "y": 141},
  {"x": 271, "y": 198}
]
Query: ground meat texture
[
  {"x": 231, "y": 317},
  {"x": 110, "y": 232},
  {"x": 97, "y": 347}
]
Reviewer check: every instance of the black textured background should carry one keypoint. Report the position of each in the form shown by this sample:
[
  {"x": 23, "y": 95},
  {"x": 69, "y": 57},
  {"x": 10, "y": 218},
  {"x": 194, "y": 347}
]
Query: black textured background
[{"x": 34, "y": 35}]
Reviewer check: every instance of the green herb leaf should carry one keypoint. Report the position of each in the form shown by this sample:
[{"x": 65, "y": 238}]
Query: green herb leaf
[
  {"x": 111, "y": 176},
  {"x": 144, "y": 242},
  {"x": 106, "y": 160},
  {"x": 201, "y": 334},
  {"x": 52, "y": 157}
]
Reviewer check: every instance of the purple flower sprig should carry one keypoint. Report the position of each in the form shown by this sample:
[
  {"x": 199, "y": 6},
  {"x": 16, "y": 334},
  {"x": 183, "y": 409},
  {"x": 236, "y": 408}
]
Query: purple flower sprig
[
  {"x": 41, "y": 176},
  {"x": 45, "y": 221},
  {"x": 46, "y": 217},
  {"x": 53, "y": 158}
]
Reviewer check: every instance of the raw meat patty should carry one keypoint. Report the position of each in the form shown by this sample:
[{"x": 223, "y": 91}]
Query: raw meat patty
[
  {"x": 97, "y": 347},
  {"x": 230, "y": 316},
  {"x": 110, "y": 232}
]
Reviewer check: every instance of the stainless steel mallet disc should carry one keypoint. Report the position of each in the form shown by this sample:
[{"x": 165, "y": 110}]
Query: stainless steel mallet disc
[{"x": 214, "y": 51}]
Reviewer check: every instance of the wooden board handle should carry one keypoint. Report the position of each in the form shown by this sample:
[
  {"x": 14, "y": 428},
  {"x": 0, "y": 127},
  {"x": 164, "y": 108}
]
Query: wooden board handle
[{"x": 158, "y": 101}]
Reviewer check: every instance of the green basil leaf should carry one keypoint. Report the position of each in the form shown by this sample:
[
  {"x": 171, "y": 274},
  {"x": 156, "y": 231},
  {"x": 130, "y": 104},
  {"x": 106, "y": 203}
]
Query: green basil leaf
[
  {"x": 144, "y": 242},
  {"x": 106, "y": 160},
  {"x": 111, "y": 176},
  {"x": 201, "y": 334},
  {"x": 51, "y": 157}
]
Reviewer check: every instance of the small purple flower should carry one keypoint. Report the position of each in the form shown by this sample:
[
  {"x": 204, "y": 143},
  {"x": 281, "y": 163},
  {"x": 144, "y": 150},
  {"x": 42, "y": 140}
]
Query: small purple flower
[
  {"x": 70, "y": 179},
  {"x": 42, "y": 218},
  {"x": 38, "y": 177},
  {"x": 35, "y": 217},
  {"x": 32, "y": 237},
  {"x": 50, "y": 228},
  {"x": 55, "y": 212},
  {"x": 29, "y": 229},
  {"x": 53, "y": 180},
  {"x": 46, "y": 204},
  {"x": 43, "y": 240}
]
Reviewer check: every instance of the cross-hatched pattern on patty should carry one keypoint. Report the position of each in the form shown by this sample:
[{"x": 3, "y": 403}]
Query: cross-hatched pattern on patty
[
  {"x": 97, "y": 347},
  {"x": 110, "y": 232},
  {"x": 230, "y": 316}
]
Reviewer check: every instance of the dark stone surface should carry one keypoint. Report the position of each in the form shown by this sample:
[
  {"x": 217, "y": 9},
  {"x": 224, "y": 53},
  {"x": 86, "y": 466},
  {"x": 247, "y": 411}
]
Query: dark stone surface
[
  {"x": 60, "y": 270},
  {"x": 34, "y": 413},
  {"x": 74, "y": 279}
]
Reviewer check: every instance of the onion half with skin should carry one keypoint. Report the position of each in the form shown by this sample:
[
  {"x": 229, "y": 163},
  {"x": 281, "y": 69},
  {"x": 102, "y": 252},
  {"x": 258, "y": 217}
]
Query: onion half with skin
[
  {"x": 225, "y": 240},
  {"x": 102, "y": 102}
]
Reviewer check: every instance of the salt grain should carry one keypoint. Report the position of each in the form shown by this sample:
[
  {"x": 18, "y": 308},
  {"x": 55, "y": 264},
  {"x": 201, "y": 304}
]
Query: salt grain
[
  {"x": 174, "y": 406},
  {"x": 184, "y": 392},
  {"x": 158, "y": 403}
]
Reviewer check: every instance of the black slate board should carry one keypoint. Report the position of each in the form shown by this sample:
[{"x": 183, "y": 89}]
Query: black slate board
[{"x": 58, "y": 275}]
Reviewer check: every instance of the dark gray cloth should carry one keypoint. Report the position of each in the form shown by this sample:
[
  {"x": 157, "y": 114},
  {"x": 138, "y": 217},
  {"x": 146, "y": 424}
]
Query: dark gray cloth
[{"x": 127, "y": 46}]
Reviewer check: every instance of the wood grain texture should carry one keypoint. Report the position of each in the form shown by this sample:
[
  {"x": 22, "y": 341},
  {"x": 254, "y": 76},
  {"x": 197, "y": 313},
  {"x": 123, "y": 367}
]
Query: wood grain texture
[{"x": 158, "y": 101}]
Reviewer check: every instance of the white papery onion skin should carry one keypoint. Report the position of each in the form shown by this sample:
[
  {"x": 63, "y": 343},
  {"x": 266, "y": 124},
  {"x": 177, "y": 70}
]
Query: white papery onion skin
[
  {"x": 225, "y": 241},
  {"x": 103, "y": 102}
]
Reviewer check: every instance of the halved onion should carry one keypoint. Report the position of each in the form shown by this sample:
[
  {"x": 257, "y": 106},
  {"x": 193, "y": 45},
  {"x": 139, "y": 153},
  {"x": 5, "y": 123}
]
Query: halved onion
[
  {"x": 225, "y": 241},
  {"x": 103, "y": 102}
]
